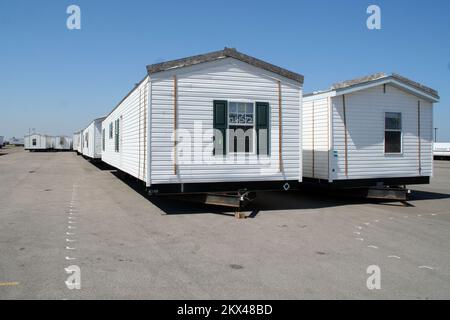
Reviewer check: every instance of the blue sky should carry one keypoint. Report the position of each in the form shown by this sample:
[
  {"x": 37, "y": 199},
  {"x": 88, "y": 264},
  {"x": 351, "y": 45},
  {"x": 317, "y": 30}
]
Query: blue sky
[{"x": 57, "y": 80}]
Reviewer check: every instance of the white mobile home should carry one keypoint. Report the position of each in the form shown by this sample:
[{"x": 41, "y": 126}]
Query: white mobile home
[
  {"x": 372, "y": 131},
  {"x": 38, "y": 141},
  {"x": 91, "y": 140},
  {"x": 76, "y": 142},
  {"x": 221, "y": 121},
  {"x": 62, "y": 143},
  {"x": 441, "y": 150}
]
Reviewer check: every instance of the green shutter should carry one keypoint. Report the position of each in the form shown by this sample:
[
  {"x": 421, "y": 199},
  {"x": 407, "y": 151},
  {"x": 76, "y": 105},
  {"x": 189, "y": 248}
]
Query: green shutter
[
  {"x": 220, "y": 123},
  {"x": 262, "y": 128}
]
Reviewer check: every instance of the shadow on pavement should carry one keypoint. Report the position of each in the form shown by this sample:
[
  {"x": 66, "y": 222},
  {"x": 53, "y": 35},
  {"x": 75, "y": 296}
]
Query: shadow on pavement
[{"x": 265, "y": 201}]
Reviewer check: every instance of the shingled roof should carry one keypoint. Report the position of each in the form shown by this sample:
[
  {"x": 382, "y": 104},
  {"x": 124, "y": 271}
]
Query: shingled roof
[
  {"x": 382, "y": 76},
  {"x": 217, "y": 55}
]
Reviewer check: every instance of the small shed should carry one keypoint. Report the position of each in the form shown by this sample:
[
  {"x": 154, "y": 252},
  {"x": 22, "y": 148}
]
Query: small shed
[
  {"x": 91, "y": 139},
  {"x": 221, "y": 121},
  {"x": 372, "y": 131}
]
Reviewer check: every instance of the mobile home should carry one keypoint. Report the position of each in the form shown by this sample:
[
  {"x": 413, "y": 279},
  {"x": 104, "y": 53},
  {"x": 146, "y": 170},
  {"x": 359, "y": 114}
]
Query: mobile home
[
  {"x": 372, "y": 131},
  {"x": 91, "y": 140},
  {"x": 220, "y": 121},
  {"x": 76, "y": 142},
  {"x": 62, "y": 143},
  {"x": 38, "y": 141},
  {"x": 441, "y": 150}
]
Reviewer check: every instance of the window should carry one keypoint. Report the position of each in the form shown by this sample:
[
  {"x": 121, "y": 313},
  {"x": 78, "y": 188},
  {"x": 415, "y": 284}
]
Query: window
[
  {"x": 116, "y": 136},
  {"x": 241, "y": 120},
  {"x": 34, "y": 142},
  {"x": 103, "y": 139},
  {"x": 393, "y": 133},
  {"x": 111, "y": 130}
]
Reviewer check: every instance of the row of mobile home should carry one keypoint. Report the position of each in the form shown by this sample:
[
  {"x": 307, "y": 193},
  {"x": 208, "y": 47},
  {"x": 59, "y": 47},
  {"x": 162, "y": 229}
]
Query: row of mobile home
[
  {"x": 225, "y": 122},
  {"x": 36, "y": 142}
]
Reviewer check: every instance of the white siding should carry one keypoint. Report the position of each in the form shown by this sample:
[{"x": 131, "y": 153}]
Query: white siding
[
  {"x": 62, "y": 143},
  {"x": 198, "y": 87},
  {"x": 76, "y": 141},
  {"x": 365, "y": 111},
  {"x": 43, "y": 142},
  {"x": 132, "y": 113},
  {"x": 92, "y": 146},
  {"x": 316, "y": 138}
]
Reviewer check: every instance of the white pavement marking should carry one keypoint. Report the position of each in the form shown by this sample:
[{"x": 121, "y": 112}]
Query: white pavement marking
[
  {"x": 357, "y": 233},
  {"x": 70, "y": 227},
  {"x": 367, "y": 223},
  {"x": 70, "y": 233},
  {"x": 69, "y": 258},
  {"x": 69, "y": 248},
  {"x": 372, "y": 247},
  {"x": 358, "y": 227},
  {"x": 426, "y": 267},
  {"x": 434, "y": 214},
  {"x": 359, "y": 239},
  {"x": 394, "y": 257}
]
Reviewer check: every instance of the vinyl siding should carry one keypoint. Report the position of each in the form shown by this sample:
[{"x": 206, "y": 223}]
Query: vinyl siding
[
  {"x": 365, "y": 112},
  {"x": 132, "y": 113},
  {"x": 316, "y": 138},
  {"x": 198, "y": 87},
  {"x": 42, "y": 142},
  {"x": 93, "y": 148},
  {"x": 75, "y": 141}
]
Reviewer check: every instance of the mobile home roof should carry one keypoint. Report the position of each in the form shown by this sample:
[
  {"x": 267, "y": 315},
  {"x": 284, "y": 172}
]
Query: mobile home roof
[{"x": 377, "y": 79}]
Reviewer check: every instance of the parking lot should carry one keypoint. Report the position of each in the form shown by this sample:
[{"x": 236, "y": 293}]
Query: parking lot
[{"x": 57, "y": 210}]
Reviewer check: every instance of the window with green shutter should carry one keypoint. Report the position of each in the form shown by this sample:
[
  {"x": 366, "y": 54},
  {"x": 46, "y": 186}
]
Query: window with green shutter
[{"x": 262, "y": 128}]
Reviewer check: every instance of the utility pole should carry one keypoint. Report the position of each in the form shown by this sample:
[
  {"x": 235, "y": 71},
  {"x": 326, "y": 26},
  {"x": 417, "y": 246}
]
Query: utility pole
[{"x": 435, "y": 134}]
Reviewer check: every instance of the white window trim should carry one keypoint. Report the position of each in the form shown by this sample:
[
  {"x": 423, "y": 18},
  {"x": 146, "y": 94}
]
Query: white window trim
[
  {"x": 390, "y": 154},
  {"x": 241, "y": 125}
]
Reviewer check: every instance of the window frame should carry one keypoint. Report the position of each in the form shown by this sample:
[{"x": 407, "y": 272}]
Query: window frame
[
  {"x": 253, "y": 126},
  {"x": 386, "y": 112}
]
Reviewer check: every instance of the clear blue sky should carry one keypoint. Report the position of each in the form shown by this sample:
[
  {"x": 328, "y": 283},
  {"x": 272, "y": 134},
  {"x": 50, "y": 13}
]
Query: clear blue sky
[{"x": 57, "y": 80}]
